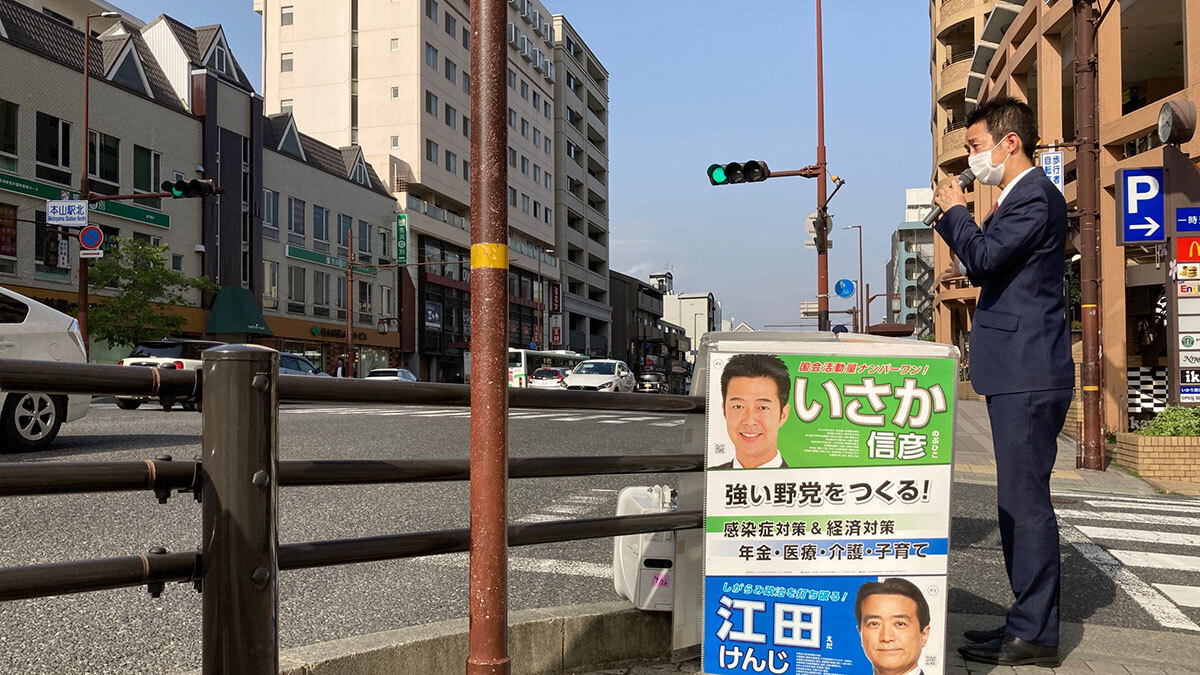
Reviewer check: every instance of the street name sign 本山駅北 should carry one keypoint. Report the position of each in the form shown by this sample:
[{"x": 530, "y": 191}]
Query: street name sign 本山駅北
[
  {"x": 843, "y": 523},
  {"x": 67, "y": 212}
]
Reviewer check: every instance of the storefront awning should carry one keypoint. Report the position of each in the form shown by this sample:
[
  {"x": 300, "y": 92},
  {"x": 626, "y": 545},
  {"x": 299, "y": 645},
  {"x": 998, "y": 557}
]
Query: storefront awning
[{"x": 234, "y": 311}]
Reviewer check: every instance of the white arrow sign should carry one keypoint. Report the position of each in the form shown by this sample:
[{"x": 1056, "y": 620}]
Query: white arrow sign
[{"x": 1149, "y": 227}]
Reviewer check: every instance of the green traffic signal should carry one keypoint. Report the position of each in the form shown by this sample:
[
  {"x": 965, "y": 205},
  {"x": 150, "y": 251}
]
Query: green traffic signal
[
  {"x": 174, "y": 187},
  {"x": 753, "y": 171},
  {"x": 716, "y": 174}
]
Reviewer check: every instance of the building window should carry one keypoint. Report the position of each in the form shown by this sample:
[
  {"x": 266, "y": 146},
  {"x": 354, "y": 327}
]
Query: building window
[
  {"x": 270, "y": 295},
  {"x": 363, "y": 240},
  {"x": 147, "y": 166},
  {"x": 385, "y": 301},
  {"x": 466, "y": 39},
  {"x": 296, "y": 288},
  {"x": 546, "y": 176},
  {"x": 512, "y": 118},
  {"x": 320, "y": 224},
  {"x": 431, "y": 151},
  {"x": 384, "y": 247},
  {"x": 524, "y": 203},
  {"x": 104, "y": 155},
  {"x": 537, "y": 138},
  {"x": 395, "y": 44},
  {"x": 57, "y": 17},
  {"x": 395, "y": 141},
  {"x": 245, "y": 269},
  {"x": 431, "y": 56},
  {"x": 547, "y": 143},
  {"x": 320, "y": 289},
  {"x": 431, "y": 103},
  {"x": 512, "y": 79},
  {"x": 177, "y": 262},
  {"x": 466, "y": 126},
  {"x": 451, "y": 162},
  {"x": 537, "y": 209},
  {"x": 296, "y": 221},
  {"x": 537, "y": 173},
  {"x": 451, "y": 26},
  {"x": 512, "y": 158},
  {"x": 524, "y": 90},
  {"x": 524, "y": 165},
  {"x": 395, "y": 93},
  {"x": 451, "y": 71},
  {"x": 512, "y": 196},
  {"x": 466, "y": 170},
  {"x": 285, "y": 106},
  {"x": 431, "y": 9},
  {"x": 366, "y": 303},
  {"x": 466, "y": 83},
  {"x": 53, "y": 149},
  {"x": 285, "y": 62},
  {"x": 8, "y": 135},
  {"x": 546, "y": 109},
  {"x": 537, "y": 101},
  {"x": 546, "y": 213},
  {"x": 271, "y": 213},
  {"x": 285, "y": 16},
  {"x": 525, "y": 127},
  {"x": 451, "y": 117},
  {"x": 345, "y": 222},
  {"x": 8, "y": 238}
]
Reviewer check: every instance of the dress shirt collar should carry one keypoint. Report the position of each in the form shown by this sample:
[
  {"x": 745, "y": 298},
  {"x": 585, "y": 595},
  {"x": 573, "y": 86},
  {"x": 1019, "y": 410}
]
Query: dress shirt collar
[
  {"x": 775, "y": 462},
  {"x": 1008, "y": 188}
]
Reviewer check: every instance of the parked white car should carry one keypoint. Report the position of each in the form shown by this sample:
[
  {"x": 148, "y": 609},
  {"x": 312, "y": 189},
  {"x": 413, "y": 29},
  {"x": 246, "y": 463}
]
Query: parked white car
[
  {"x": 601, "y": 375},
  {"x": 168, "y": 354},
  {"x": 392, "y": 374},
  {"x": 549, "y": 378},
  {"x": 30, "y": 330}
]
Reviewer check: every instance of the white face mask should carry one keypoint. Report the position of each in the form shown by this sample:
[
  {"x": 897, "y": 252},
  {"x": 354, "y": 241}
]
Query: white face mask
[{"x": 985, "y": 171}]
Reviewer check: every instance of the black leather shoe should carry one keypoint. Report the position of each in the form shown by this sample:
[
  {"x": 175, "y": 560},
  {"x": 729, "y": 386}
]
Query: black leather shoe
[
  {"x": 1011, "y": 650},
  {"x": 978, "y": 636}
]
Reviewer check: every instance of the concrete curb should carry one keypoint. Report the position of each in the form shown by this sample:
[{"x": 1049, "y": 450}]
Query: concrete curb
[{"x": 548, "y": 641}]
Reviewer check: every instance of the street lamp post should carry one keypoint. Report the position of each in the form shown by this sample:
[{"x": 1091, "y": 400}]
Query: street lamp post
[
  {"x": 859, "y": 302},
  {"x": 84, "y": 188}
]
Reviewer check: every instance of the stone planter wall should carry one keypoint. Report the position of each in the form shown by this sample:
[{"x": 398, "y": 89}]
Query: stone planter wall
[{"x": 1164, "y": 457}]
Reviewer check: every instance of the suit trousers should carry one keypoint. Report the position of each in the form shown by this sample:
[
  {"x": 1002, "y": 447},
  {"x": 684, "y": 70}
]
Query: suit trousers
[{"x": 1025, "y": 428}]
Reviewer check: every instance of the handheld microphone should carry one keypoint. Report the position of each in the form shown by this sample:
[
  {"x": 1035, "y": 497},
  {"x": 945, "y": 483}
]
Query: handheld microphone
[{"x": 964, "y": 181}]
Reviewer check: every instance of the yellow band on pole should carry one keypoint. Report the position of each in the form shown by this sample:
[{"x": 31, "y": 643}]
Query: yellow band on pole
[
  {"x": 1085, "y": 306},
  {"x": 1091, "y": 388},
  {"x": 489, "y": 255}
]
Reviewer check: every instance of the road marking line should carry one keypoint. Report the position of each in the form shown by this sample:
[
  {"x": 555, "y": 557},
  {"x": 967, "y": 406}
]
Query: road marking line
[
  {"x": 1143, "y": 518},
  {"x": 575, "y": 568},
  {"x": 1165, "y": 561},
  {"x": 667, "y": 424},
  {"x": 1185, "y": 596},
  {"x": 1169, "y": 508},
  {"x": 1122, "y": 498},
  {"x": 1155, "y": 603},
  {"x": 1148, "y": 536}
]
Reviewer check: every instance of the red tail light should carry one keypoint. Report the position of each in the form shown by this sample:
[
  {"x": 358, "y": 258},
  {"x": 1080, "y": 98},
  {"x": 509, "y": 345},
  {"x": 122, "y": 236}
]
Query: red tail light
[
  {"x": 179, "y": 365},
  {"x": 121, "y": 362}
]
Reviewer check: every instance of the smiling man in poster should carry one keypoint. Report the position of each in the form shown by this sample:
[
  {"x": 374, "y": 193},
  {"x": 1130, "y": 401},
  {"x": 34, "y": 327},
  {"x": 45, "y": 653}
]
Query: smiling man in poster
[
  {"x": 893, "y": 620},
  {"x": 754, "y": 397}
]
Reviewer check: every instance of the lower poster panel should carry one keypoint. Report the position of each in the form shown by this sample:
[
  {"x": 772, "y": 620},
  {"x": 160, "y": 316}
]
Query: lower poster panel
[{"x": 824, "y": 625}]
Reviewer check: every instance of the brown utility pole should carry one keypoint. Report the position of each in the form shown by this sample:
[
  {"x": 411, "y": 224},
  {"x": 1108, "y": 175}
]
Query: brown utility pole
[
  {"x": 822, "y": 225},
  {"x": 1087, "y": 164},
  {"x": 487, "y": 638},
  {"x": 350, "y": 260}
]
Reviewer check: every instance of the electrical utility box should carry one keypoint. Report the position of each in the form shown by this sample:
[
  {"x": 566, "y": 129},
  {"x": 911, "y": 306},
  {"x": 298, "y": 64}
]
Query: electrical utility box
[{"x": 643, "y": 564}]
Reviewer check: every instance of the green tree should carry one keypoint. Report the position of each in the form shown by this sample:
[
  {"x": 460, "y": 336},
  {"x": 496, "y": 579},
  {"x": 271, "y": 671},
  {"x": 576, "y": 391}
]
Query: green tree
[{"x": 143, "y": 283}]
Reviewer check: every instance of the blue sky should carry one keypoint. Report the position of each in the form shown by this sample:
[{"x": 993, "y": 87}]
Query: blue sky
[{"x": 693, "y": 82}]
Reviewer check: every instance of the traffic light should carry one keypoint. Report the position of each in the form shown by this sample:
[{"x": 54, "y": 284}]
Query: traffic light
[
  {"x": 185, "y": 189},
  {"x": 752, "y": 171}
]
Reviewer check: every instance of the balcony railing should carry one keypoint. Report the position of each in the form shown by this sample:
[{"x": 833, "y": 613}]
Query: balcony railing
[
  {"x": 953, "y": 126},
  {"x": 956, "y": 58},
  {"x": 419, "y": 205}
]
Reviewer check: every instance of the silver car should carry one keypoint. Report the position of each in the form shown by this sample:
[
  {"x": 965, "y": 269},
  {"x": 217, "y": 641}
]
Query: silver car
[{"x": 392, "y": 374}]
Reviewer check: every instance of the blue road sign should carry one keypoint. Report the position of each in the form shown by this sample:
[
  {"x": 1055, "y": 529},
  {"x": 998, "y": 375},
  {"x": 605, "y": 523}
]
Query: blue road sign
[
  {"x": 1187, "y": 220},
  {"x": 1142, "y": 206},
  {"x": 532, "y": 344},
  {"x": 91, "y": 237},
  {"x": 844, "y": 288}
]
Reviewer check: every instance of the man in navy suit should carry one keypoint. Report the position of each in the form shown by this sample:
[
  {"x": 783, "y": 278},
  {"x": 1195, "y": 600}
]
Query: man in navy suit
[{"x": 1020, "y": 361}]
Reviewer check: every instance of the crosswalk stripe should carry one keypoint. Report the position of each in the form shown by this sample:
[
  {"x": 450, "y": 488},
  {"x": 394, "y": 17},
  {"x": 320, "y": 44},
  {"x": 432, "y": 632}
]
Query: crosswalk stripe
[
  {"x": 1147, "y": 536},
  {"x": 1155, "y": 603},
  {"x": 1185, "y": 596},
  {"x": 1167, "y": 561},
  {"x": 1169, "y": 508},
  {"x": 1126, "y": 498},
  {"x": 673, "y": 423},
  {"x": 539, "y": 565},
  {"x": 1143, "y": 518}
]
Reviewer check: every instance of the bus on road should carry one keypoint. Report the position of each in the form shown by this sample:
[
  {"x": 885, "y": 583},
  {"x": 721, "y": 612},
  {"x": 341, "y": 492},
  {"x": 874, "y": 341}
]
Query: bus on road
[{"x": 522, "y": 363}]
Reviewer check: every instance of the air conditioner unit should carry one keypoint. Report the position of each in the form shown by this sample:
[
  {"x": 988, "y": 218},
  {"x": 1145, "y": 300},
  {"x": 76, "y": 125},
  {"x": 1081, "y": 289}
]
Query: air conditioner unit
[
  {"x": 522, "y": 41},
  {"x": 512, "y": 34},
  {"x": 527, "y": 50},
  {"x": 550, "y": 72},
  {"x": 539, "y": 59},
  {"x": 515, "y": 3},
  {"x": 526, "y": 9}
]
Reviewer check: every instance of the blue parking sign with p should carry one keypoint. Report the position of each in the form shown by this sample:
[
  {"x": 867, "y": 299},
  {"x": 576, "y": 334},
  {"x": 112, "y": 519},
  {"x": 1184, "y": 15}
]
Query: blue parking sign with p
[{"x": 1141, "y": 199}]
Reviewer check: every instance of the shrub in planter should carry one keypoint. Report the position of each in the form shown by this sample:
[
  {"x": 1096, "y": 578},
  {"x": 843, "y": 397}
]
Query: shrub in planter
[{"x": 1173, "y": 421}]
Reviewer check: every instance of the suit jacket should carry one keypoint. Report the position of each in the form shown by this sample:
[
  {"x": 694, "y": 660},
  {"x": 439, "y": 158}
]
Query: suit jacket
[
  {"x": 1020, "y": 340},
  {"x": 729, "y": 465}
]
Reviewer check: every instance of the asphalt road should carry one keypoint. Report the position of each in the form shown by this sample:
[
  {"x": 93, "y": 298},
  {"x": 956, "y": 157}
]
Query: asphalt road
[{"x": 125, "y": 631}]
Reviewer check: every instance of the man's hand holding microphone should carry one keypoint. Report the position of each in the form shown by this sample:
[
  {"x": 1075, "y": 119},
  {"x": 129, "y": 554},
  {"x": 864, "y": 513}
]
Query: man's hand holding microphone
[{"x": 949, "y": 193}]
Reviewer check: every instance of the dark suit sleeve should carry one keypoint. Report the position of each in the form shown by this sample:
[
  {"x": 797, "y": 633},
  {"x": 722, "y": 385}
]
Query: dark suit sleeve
[{"x": 985, "y": 252}]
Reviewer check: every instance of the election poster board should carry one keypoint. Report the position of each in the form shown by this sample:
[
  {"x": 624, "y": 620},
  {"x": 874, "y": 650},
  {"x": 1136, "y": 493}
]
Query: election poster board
[{"x": 827, "y": 506}]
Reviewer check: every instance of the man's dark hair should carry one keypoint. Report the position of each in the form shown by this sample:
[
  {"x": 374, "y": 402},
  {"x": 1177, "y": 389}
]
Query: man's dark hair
[
  {"x": 758, "y": 365},
  {"x": 893, "y": 586},
  {"x": 1007, "y": 115}
]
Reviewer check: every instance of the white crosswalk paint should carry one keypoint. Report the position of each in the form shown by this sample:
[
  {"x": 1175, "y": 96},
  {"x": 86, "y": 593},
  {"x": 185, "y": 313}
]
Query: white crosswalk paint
[
  {"x": 1147, "y": 536},
  {"x": 673, "y": 423},
  {"x": 1185, "y": 596},
  {"x": 570, "y": 507},
  {"x": 1129, "y": 498},
  {"x": 1168, "y": 561},
  {"x": 1169, "y": 508},
  {"x": 1117, "y": 516},
  {"x": 1155, "y": 603},
  {"x": 626, "y": 420}
]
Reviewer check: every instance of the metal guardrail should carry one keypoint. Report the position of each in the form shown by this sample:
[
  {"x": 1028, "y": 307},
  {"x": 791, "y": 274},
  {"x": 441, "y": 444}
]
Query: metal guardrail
[{"x": 238, "y": 477}]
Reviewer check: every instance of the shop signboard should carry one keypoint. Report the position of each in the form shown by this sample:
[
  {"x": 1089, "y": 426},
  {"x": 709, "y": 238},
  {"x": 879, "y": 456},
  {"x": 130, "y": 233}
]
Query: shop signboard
[{"x": 827, "y": 506}]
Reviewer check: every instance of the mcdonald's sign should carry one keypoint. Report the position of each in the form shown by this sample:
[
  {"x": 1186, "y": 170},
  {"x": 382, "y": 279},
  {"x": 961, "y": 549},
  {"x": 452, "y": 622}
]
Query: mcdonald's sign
[{"x": 1187, "y": 249}]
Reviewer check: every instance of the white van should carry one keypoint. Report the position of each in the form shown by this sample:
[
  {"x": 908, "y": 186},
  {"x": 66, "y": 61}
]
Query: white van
[{"x": 32, "y": 331}]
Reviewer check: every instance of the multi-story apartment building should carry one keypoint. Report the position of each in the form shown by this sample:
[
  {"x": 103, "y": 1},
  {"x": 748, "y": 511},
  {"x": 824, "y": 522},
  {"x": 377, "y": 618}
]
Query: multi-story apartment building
[
  {"x": 697, "y": 313},
  {"x": 581, "y": 190},
  {"x": 1026, "y": 49},
  {"x": 394, "y": 77},
  {"x": 641, "y": 336},
  {"x": 170, "y": 102},
  {"x": 910, "y": 271}
]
